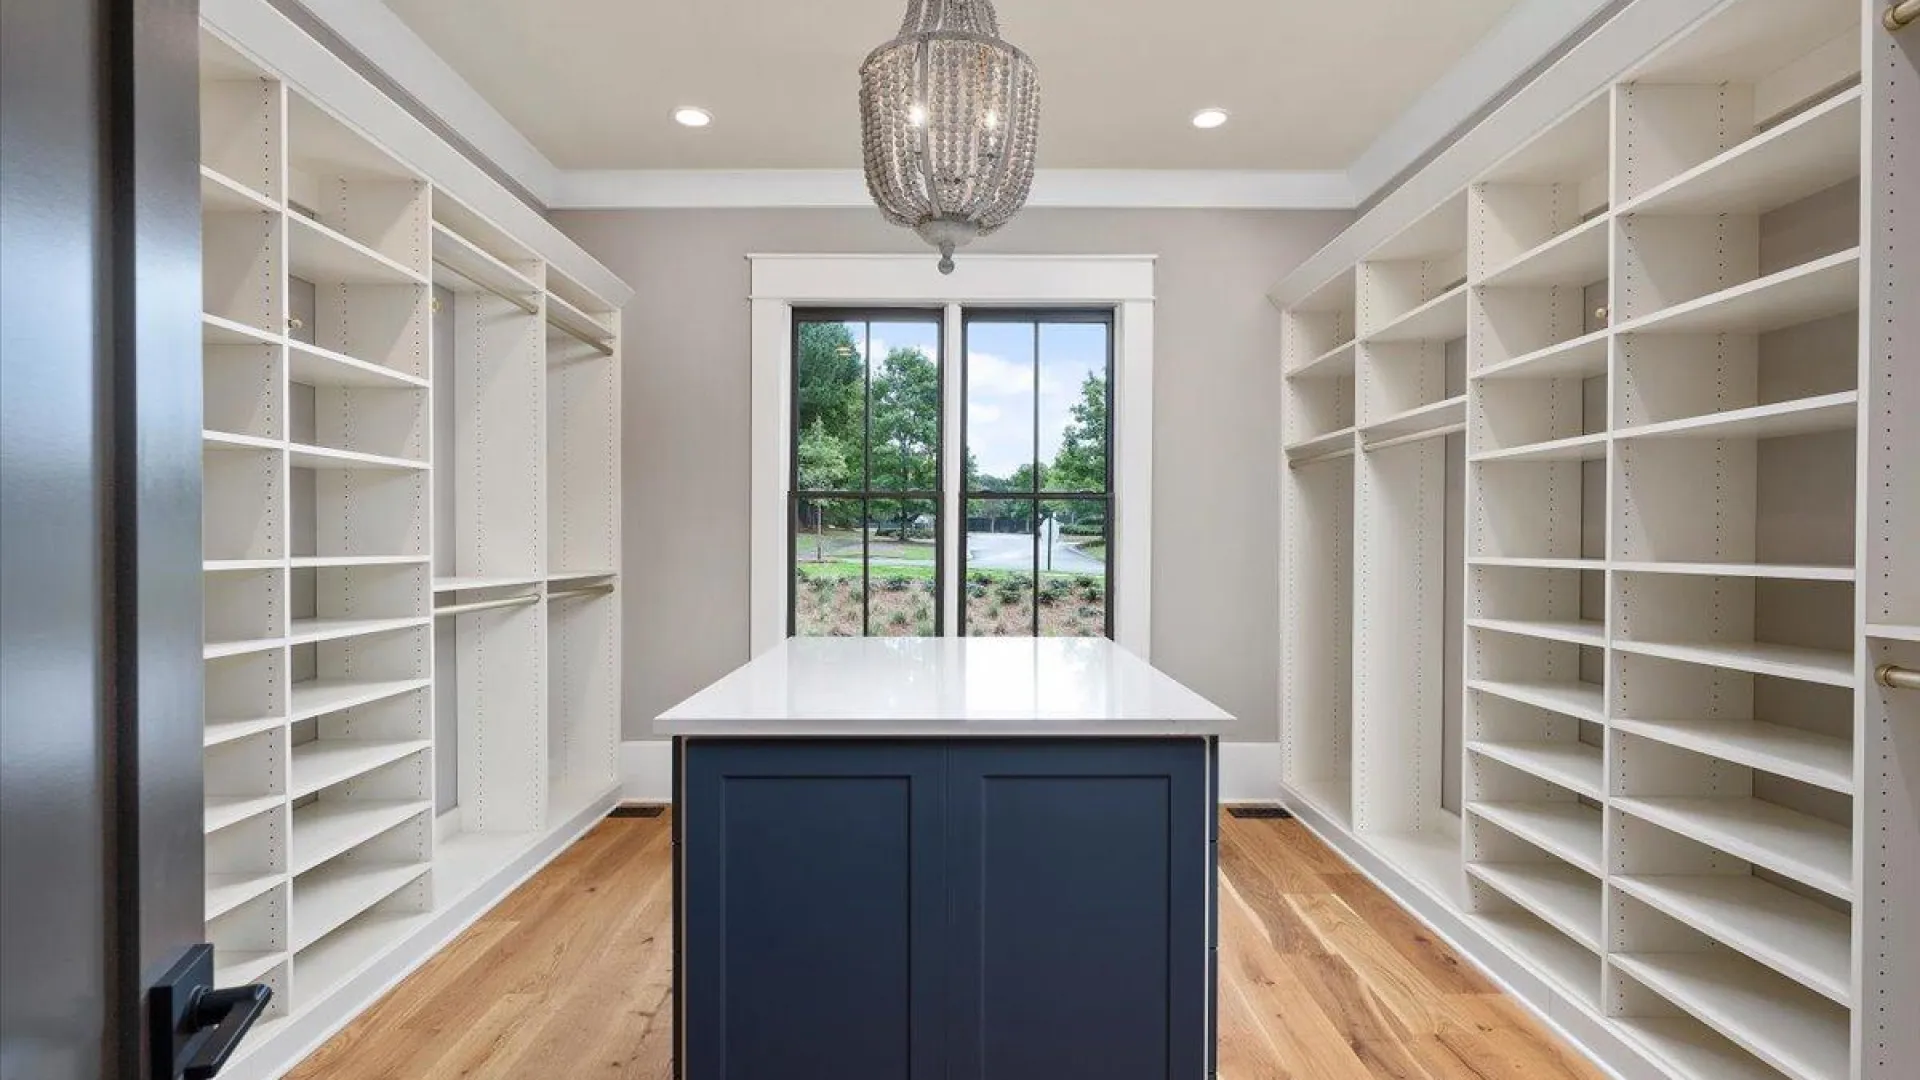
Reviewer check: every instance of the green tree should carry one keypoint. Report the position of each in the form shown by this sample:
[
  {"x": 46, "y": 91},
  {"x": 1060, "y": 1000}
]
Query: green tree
[
  {"x": 822, "y": 461},
  {"x": 905, "y": 424},
  {"x": 830, "y": 382},
  {"x": 1081, "y": 462}
]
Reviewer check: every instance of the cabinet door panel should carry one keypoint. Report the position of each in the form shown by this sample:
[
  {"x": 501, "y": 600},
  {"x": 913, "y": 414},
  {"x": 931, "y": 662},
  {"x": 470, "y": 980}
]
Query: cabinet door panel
[
  {"x": 1079, "y": 941},
  {"x": 815, "y": 901}
]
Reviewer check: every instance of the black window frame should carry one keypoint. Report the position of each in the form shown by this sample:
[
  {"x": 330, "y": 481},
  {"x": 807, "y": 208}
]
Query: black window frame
[
  {"x": 1037, "y": 316},
  {"x": 864, "y": 493}
]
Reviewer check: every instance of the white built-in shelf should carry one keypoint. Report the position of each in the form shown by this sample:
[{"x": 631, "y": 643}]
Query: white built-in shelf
[
  {"x": 1425, "y": 422},
  {"x": 218, "y": 732},
  {"x": 1566, "y": 829},
  {"x": 1577, "y": 257},
  {"x": 324, "y": 829},
  {"x": 232, "y": 967},
  {"x": 1564, "y": 898},
  {"x": 1442, "y": 318},
  {"x": 306, "y": 631},
  {"x": 215, "y": 330},
  {"x": 1333, "y": 444},
  {"x": 228, "y": 891},
  {"x": 1335, "y": 363},
  {"x": 225, "y": 810},
  {"x": 1528, "y": 563},
  {"x": 302, "y": 456},
  {"x": 1801, "y": 294},
  {"x": 323, "y": 966},
  {"x": 337, "y": 562},
  {"x": 463, "y": 266},
  {"x": 1332, "y": 796},
  {"x": 1802, "y": 416},
  {"x": 474, "y": 582},
  {"x": 228, "y": 566},
  {"x": 1543, "y": 950},
  {"x": 214, "y": 650},
  {"x": 326, "y": 898},
  {"x": 1772, "y": 1018},
  {"x": 1572, "y": 765},
  {"x": 1579, "y": 358},
  {"x": 1581, "y": 700},
  {"x": 1893, "y": 631},
  {"x": 579, "y": 325},
  {"x": 1781, "y": 571},
  {"x": 220, "y": 193},
  {"x": 311, "y": 365},
  {"x": 1430, "y": 856},
  {"x": 1807, "y": 942},
  {"x": 1692, "y": 1050},
  {"x": 1573, "y": 448},
  {"x": 325, "y": 255},
  {"x": 317, "y": 697},
  {"x": 1800, "y": 846},
  {"x": 580, "y": 575},
  {"x": 1809, "y": 153},
  {"x": 227, "y": 440},
  {"x": 1577, "y": 631},
  {"x": 322, "y": 763},
  {"x": 1832, "y": 667},
  {"x": 1820, "y": 760}
]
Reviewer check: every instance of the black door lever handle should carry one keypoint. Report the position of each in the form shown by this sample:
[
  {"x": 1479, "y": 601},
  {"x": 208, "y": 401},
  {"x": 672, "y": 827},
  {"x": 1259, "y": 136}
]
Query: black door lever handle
[
  {"x": 193, "y": 1028},
  {"x": 229, "y": 1013}
]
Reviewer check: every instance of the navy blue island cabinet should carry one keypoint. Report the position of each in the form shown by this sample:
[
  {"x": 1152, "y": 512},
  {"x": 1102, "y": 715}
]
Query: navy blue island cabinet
[{"x": 975, "y": 908}]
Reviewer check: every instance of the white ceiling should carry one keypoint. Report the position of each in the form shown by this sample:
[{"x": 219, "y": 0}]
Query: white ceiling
[{"x": 1310, "y": 83}]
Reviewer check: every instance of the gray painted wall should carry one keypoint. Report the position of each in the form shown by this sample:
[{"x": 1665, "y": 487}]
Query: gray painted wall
[{"x": 1216, "y": 406}]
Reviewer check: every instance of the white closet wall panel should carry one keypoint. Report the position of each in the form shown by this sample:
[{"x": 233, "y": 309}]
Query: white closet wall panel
[
  {"x": 1686, "y": 812},
  {"x": 381, "y": 760}
]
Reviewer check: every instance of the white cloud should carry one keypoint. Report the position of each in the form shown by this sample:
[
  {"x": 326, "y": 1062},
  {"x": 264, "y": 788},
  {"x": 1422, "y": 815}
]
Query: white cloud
[
  {"x": 994, "y": 376},
  {"x": 979, "y": 415}
]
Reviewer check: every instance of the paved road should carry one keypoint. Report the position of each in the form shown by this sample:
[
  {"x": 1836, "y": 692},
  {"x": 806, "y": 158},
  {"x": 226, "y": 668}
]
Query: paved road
[{"x": 1014, "y": 551}]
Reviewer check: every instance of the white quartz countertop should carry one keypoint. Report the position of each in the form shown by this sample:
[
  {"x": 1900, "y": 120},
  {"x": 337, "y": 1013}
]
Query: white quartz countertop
[{"x": 945, "y": 687}]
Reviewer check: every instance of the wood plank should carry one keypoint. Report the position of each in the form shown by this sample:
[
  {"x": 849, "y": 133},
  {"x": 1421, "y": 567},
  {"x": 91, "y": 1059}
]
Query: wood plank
[{"x": 1322, "y": 977}]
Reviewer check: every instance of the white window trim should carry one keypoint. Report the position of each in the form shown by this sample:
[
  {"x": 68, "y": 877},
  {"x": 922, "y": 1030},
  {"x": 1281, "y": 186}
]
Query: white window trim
[{"x": 1121, "y": 282}]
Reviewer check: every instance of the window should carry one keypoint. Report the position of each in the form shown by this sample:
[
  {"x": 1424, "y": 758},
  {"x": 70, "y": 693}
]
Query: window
[
  {"x": 867, "y": 493},
  {"x": 877, "y": 556},
  {"x": 1039, "y": 481},
  {"x": 866, "y": 479}
]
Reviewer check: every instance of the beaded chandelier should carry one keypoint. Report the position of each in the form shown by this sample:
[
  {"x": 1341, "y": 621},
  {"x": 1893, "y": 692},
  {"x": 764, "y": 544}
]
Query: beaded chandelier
[{"x": 949, "y": 117}]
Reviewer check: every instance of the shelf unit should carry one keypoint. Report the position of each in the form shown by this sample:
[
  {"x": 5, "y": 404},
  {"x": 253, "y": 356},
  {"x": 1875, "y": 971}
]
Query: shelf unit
[
  {"x": 1675, "y": 549},
  {"x": 390, "y": 428}
]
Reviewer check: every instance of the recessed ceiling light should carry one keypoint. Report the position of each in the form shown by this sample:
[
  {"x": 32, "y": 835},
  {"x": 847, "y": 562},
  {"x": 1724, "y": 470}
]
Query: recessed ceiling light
[
  {"x": 688, "y": 116},
  {"x": 1209, "y": 118}
]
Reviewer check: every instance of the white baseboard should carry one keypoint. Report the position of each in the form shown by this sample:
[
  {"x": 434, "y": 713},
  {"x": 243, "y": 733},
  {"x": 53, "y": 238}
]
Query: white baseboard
[{"x": 1249, "y": 772}]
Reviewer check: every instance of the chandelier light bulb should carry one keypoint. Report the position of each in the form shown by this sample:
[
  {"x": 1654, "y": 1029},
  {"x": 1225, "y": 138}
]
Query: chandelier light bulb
[{"x": 949, "y": 119}]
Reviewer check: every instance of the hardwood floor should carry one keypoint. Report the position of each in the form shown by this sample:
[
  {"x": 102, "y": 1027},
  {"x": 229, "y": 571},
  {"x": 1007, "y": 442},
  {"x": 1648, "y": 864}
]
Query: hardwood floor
[{"x": 1321, "y": 978}]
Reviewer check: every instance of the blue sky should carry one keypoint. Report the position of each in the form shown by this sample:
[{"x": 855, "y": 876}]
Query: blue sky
[{"x": 1001, "y": 382}]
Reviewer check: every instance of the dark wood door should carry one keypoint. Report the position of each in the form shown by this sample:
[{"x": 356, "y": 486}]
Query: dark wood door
[
  {"x": 100, "y": 717},
  {"x": 1081, "y": 882}
]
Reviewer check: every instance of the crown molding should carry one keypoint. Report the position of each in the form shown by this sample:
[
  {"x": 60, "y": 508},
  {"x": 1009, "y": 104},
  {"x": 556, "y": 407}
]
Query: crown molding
[
  {"x": 387, "y": 42},
  {"x": 1520, "y": 41},
  {"x": 1517, "y": 43},
  {"x": 845, "y": 188}
]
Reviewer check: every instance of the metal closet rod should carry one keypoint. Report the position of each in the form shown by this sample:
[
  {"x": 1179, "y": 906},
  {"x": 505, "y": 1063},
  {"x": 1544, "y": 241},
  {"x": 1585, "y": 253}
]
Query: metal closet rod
[
  {"x": 487, "y": 605},
  {"x": 531, "y": 307},
  {"x": 584, "y": 590},
  {"x": 1901, "y": 15},
  {"x": 1893, "y": 676}
]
